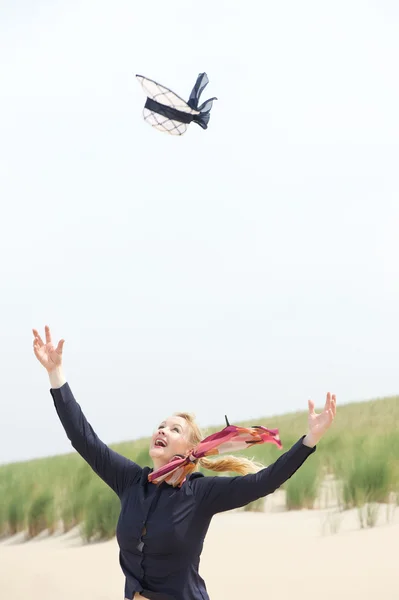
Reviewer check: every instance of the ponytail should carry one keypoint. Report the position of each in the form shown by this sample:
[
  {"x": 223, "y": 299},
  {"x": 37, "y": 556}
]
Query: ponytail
[{"x": 227, "y": 464}]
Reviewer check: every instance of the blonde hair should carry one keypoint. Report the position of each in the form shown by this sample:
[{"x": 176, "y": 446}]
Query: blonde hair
[{"x": 222, "y": 464}]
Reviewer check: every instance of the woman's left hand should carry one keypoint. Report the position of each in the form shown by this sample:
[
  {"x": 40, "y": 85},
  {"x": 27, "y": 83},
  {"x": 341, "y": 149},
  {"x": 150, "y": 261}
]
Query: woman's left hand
[{"x": 319, "y": 423}]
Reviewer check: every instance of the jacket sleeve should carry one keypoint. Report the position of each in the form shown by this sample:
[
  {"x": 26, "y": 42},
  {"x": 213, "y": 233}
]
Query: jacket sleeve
[
  {"x": 116, "y": 470},
  {"x": 218, "y": 494}
]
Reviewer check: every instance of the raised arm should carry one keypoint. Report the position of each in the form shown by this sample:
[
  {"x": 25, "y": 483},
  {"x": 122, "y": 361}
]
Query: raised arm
[
  {"x": 218, "y": 494},
  {"x": 116, "y": 470}
]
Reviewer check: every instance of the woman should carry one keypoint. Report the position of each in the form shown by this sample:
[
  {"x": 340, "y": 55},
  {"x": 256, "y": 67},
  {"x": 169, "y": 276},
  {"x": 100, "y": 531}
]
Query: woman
[{"x": 161, "y": 528}]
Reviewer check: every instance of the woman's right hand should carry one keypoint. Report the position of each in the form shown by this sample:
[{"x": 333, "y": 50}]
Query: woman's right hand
[{"x": 46, "y": 354}]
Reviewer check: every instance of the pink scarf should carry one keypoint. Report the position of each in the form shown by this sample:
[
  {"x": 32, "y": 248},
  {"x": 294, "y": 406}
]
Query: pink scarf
[{"x": 229, "y": 439}]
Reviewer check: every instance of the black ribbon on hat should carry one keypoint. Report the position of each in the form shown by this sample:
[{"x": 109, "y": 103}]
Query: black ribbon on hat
[{"x": 175, "y": 114}]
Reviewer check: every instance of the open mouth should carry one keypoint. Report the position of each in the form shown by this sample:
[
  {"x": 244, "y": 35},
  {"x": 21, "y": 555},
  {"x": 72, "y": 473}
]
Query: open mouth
[{"x": 159, "y": 443}]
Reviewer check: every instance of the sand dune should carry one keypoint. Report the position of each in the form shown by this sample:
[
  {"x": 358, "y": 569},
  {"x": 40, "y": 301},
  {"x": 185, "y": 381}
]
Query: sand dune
[{"x": 246, "y": 555}]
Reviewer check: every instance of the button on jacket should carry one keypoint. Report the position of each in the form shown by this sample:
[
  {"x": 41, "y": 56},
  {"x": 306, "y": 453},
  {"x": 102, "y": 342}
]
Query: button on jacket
[{"x": 161, "y": 529}]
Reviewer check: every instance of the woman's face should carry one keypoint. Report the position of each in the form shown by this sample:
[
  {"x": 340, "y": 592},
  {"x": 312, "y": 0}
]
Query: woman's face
[{"x": 171, "y": 438}]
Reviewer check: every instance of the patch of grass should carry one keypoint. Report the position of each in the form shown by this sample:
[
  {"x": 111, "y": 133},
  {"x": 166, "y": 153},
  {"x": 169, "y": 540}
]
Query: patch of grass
[
  {"x": 302, "y": 488},
  {"x": 368, "y": 478},
  {"x": 41, "y": 514},
  {"x": 101, "y": 513}
]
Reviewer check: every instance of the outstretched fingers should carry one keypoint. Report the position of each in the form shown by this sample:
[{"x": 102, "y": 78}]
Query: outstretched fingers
[
  {"x": 330, "y": 407},
  {"x": 37, "y": 339},
  {"x": 60, "y": 347},
  {"x": 333, "y": 405},
  {"x": 36, "y": 347},
  {"x": 328, "y": 402},
  {"x": 311, "y": 407},
  {"x": 48, "y": 334}
]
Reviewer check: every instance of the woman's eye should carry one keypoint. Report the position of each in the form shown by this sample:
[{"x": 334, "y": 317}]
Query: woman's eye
[{"x": 176, "y": 429}]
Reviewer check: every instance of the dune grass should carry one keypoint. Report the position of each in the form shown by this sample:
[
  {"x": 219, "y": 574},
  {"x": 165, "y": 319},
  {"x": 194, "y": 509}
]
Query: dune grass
[
  {"x": 361, "y": 451},
  {"x": 302, "y": 488}
]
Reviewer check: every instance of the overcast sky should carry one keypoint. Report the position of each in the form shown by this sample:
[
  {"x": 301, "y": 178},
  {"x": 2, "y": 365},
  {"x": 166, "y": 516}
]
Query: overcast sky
[{"x": 240, "y": 269}]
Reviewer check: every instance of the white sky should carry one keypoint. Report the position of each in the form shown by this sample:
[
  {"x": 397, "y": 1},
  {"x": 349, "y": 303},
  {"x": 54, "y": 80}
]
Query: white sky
[{"x": 240, "y": 269}]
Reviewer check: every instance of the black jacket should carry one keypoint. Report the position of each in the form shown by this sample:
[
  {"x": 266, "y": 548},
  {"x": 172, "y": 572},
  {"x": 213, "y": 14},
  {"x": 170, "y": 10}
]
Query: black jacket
[{"x": 161, "y": 529}]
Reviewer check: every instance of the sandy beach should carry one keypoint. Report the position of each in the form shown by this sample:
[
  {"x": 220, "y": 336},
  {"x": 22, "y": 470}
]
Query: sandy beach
[{"x": 246, "y": 555}]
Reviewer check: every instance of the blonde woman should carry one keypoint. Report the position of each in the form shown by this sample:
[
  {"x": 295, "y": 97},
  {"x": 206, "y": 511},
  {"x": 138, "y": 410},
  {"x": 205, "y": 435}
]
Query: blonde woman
[{"x": 166, "y": 510}]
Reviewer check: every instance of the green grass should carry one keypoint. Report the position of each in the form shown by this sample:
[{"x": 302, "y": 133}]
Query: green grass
[
  {"x": 302, "y": 488},
  {"x": 361, "y": 450},
  {"x": 41, "y": 514},
  {"x": 369, "y": 474},
  {"x": 101, "y": 511}
]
